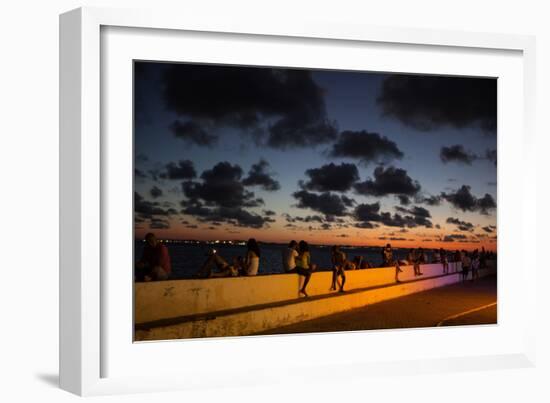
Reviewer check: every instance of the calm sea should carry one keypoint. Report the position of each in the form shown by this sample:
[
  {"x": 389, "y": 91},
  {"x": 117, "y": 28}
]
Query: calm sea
[{"x": 188, "y": 258}]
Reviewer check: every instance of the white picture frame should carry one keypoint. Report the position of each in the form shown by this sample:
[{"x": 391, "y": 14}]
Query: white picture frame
[{"x": 85, "y": 309}]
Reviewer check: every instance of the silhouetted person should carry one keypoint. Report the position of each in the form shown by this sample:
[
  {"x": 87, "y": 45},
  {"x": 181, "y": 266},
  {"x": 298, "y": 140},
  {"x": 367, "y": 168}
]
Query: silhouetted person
[
  {"x": 466, "y": 264},
  {"x": 338, "y": 259},
  {"x": 224, "y": 269},
  {"x": 293, "y": 262},
  {"x": 475, "y": 265},
  {"x": 388, "y": 256},
  {"x": 154, "y": 263},
  {"x": 457, "y": 259},
  {"x": 436, "y": 256},
  {"x": 251, "y": 263},
  {"x": 397, "y": 271},
  {"x": 304, "y": 267},
  {"x": 444, "y": 260},
  {"x": 290, "y": 254}
]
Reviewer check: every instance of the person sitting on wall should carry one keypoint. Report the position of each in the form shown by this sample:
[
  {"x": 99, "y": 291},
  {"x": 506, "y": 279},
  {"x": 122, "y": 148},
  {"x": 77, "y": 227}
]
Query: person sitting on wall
[
  {"x": 304, "y": 267},
  {"x": 251, "y": 263},
  {"x": 365, "y": 264},
  {"x": 290, "y": 258},
  {"x": 388, "y": 256},
  {"x": 154, "y": 263},
  {"x": 225, "y": 269}
]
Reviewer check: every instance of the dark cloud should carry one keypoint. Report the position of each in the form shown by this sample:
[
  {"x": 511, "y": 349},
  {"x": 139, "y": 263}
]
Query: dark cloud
[
  {"x": 404, "y": 200},
  {"x": 367, "y": 212},
  {"x": 306, "y": 219},
  {"x": 159, "y": 223},
  {"x": 420, "y": 216},
  {"x": 429, "y": 102},
  {"x": 370, "y": 213},
  {"x": 184, "y": 169},
  {"x": 486, "y": 204},
  {"x": 269, "y": 213},
  {"x": 259, "y": 176},
  {"x": 454, "y": 237},
  {"x": 139, "y": 174},
  {"x": 388, "y": 181},
  {"x": 155, "y": 192},
  {"x": 221, "y": 196},
  {"x": 233, "y": 215},
  {"x": 489, "y": 228},
  {"x": 457, "y": 153},
  {"x": 462, "y": 225},
  {"x": 365, "y": 147},
  {"x": 285, "y": 107},
  {"x": 429, "y": 200},
  {"x": 365, "y": 225},
  {"x": 221, "y": 186},
  {"x": 148, "y": 209},
  {"x": 491, "y": 155},
  {"x": 192, "y": 133},
  {"x": 347, "y": 201},
  {"x": 463, "y": 199},
  {"x": 342, "y": 236},
  {"x": 326, "y": 203},
  {"x": 331, "y": 177}
]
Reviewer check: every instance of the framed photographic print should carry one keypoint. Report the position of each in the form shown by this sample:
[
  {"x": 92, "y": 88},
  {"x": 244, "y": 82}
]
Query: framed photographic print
[{"x": 262, "y": 193}]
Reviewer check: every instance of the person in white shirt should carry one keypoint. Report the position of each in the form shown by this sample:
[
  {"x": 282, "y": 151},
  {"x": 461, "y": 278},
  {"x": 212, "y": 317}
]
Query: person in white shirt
[{"x": 296, "y": 259}]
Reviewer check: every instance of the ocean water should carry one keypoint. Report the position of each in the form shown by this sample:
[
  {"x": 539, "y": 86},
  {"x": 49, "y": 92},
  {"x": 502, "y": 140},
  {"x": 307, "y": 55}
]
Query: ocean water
[{"x": 187, "y": 259}]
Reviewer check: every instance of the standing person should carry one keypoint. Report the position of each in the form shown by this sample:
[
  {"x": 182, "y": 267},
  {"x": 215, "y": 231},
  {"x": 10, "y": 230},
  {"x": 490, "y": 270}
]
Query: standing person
[
  {"x": 397, "y": 271},
  {"x": 412, "y": 259},
  {"x": 338, "y": 259},
  {"x": 483, "y": 259},
  {"x": 436, "y": 256},
  {"x": 303, "y": 265},
  {"x": 251, "y": 262},
  {"x": 466, "y": 263},
  {"x": 422, "y": 256},
  {"x": 475, "y": 265},
  {"x": 154, "y": 263},
  {"x": 290, "y": 264},
  {"x": 388, "y": 256},
  {"x": 444, "y": 260},
  {"x": 457, "y": 259},
  {"x": 420, "y": 259}
]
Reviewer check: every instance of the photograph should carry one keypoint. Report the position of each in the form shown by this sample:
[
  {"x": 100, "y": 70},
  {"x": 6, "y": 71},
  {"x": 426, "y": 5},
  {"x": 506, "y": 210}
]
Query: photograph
[{"x": 274, "y": 200}]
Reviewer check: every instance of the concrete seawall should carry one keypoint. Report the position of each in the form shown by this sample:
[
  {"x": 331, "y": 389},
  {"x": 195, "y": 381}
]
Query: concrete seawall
[
  {"x": 176, "y": 298},
  {"x": 247, "y": 305}
]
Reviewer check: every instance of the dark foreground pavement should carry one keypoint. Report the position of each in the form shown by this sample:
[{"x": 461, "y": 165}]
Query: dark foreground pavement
[{"x": 470, "y": 303}]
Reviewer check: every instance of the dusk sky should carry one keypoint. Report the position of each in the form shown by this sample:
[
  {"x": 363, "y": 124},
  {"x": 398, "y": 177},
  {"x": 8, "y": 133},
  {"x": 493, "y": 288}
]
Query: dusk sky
[{"x": 332, "y": 157}]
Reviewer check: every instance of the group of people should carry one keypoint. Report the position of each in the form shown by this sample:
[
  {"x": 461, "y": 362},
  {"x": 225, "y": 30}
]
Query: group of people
[
  {"x": 470, "y": 261},
  {"x": 296, "y": 258},
  {"x": 247, "y": 266}
]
